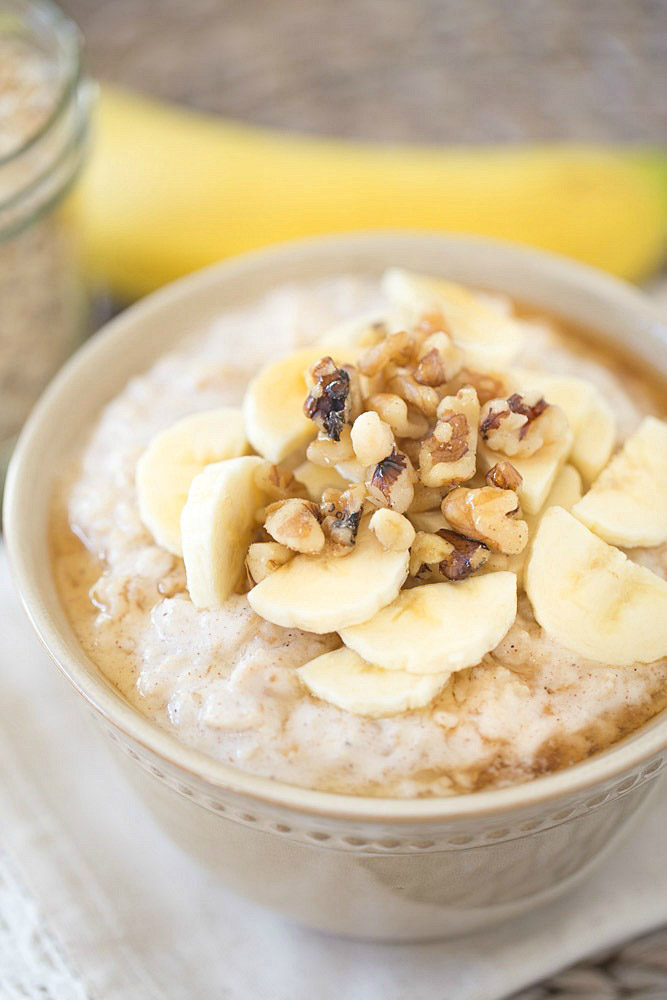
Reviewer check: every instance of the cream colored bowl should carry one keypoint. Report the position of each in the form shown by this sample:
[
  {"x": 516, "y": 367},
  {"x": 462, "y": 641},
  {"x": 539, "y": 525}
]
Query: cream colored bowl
[{"x": 373, "y": 868}]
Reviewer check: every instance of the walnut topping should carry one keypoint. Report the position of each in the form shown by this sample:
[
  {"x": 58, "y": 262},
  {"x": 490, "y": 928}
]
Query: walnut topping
[
  {"x": 392, "y": 530},
  {"x": 398, "y": 349},
  {"x": 296, "y": 524},
  {"x": 466, "y": 557},
  {"x": 341, "y": 512},
  {"x": 422, "y": 397},
  {"x": 449, "y": 454},
  {"x": 439, "y": 361},
  {"x": 372, "y": 438},
  {"x": 486, "y": 386},
  {"x": 331, "y": 402},
  {"x": 504, "y": 476},
  {"x": 324, "y": 451},
  {"x": 277, "y": 483},
  {"x": 446, "y": 555},
  {"x": 487, "y": 515},
  {"x": 427, "y": 550},
  {"x": 395, "y": 412},
  {"x": 265, "y": 558},
  {"x": 520, "y": 425},
  {"x": 391, "y": 482}
]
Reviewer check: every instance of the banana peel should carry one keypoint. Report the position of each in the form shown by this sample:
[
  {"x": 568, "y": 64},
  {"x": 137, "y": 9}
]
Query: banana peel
[{"x": 167, "y": 190}]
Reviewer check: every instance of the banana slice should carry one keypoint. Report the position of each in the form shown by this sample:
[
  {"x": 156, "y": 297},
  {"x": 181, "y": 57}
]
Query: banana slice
[
  {"x": 564, "y": 493},
  {"x": 172, "y": 460},
  {"x": 438, "y": 628},
  {"x": 539, "y": 471},
  {"x": 590, "y": 416},
  {"x": 318, "y": 478},
  {"x": 627, "y": 504},
  {"x": 343, "y": 679},
  {"x": 217, "y": 525},
  {"x": 591, "y": 598},
  {"x": 488, "y": 337},
  {"x": 325, "y": 593}
]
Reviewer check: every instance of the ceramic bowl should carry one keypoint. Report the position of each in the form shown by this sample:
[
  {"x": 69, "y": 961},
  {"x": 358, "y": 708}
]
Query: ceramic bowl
[{"x": 373, "y": 868}]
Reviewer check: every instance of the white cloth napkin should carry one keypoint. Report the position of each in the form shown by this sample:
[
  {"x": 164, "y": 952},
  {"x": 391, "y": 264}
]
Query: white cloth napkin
[{"x": 95, "y": 902}]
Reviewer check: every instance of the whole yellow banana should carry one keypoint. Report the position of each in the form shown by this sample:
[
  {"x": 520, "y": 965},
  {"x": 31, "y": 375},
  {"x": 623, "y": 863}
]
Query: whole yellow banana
[{"x": 169, "y": 190}]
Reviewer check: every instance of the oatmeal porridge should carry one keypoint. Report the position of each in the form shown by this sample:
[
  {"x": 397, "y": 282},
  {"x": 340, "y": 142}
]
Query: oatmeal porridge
[{"x": 394, "y": 539}]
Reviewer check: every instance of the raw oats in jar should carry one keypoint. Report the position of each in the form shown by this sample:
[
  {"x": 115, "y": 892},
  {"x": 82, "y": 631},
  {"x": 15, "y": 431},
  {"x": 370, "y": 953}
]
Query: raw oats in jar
[{"x": 44, "y": 105}]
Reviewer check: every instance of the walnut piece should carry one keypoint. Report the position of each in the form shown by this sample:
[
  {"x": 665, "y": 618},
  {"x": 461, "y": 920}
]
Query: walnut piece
[
  {"x": 521, "y": 424},
  {"x": 449, "y": 455},
  {"x": 264, "y": 558},
  {"x": 323, "y": 451},
  {"x": 487, "y": 515},
  {"x": 446, "y": 555},
  {"x": 504, "y": 476},
  {"x": 486, "y": 385},
  {"x": 341, "y": 512},
  {"x": 391, "y": 482},
  {"x": 296, "y": 524},
  {"x": 334, "y": 398},
  {"x": 392, "y": 530},
  {"x": 466, "y": 557},
  {"x": 395, "y": 412},
  {"x": 277, "y": 483},
  {"x": 372, "y": 438},
  {"x": 422, "y": 397},
  {"x": 398, "y": 348},
  {"x": 439, "y": 360},
  {"x": 427, "y": 550}
]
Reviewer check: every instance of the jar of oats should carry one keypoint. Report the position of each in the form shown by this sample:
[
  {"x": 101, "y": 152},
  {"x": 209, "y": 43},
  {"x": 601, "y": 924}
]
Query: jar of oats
[{"x": 44, "y": 110}]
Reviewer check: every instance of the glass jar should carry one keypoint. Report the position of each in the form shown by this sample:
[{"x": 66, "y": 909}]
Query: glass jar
[{"x": 44, "y": 115}]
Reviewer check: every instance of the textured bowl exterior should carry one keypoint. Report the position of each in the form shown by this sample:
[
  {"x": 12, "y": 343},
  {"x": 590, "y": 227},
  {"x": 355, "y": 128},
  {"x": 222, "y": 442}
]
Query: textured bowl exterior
[{"x": 371, "y": 868}]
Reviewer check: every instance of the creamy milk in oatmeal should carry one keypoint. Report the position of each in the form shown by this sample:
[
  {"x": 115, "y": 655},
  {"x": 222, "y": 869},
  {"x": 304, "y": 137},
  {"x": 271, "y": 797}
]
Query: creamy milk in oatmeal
[{"x": 436, "y": 547}]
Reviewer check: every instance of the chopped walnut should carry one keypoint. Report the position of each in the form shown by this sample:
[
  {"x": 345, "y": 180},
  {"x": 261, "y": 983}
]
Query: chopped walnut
[
  {"x": 296, "y": 524},
  {"x": 341, "y": 512},
  {"x": 504, "y": 476},
  {"x": 396, "y": 412},
  {"x": 427, "y": 550},
  {"x": 486, "y": 385},
  {"x": 392, "y": 530},
  {"x": 277, "y": 483},
  {"x": 324, "y": 451},
  {"x": 391, "y": 482},
  {"x": 334, "y": 398},
  {"x": 372, "y": 438},
  {"x": 398, "y": 349},
  {"x": 439, "y": 360},
  {"x": 449, "y": 455},
  {"x": 265, "y": 558},
  {"x": 487, "y": 515},
  {"x": 466, "y": 557},
  {"x": 446, "y": 555},
  {"x": 422, "y": 397},
  {"x": 520, "y": 425}
]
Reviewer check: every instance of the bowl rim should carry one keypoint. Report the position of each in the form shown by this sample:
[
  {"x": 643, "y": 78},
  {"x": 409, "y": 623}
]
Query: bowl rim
[{"x": 630, "y": 752}]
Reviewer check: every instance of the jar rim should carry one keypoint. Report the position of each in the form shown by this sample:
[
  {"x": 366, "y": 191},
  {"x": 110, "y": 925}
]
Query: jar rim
[{"x": 70, "y": 40}]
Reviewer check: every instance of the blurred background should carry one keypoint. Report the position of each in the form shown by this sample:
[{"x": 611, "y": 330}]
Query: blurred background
[{"x": 464, "y": 71}]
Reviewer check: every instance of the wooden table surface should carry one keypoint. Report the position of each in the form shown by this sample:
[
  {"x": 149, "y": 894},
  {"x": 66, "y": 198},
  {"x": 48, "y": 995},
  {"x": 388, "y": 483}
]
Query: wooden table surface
[{"x": 424, "y": 70}]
